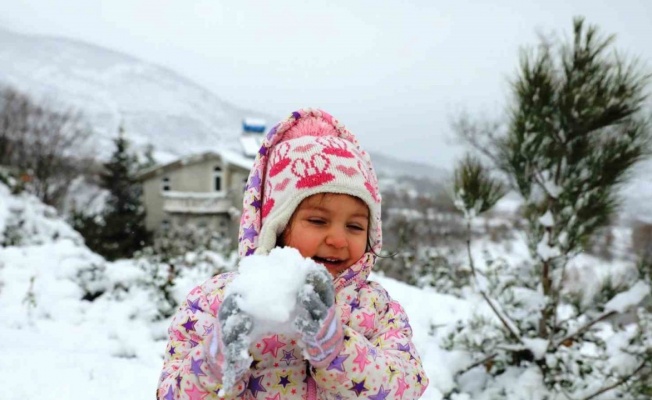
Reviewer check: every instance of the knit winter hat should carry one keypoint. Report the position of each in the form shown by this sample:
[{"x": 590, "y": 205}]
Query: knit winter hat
[{"x": 307, "y": 154}]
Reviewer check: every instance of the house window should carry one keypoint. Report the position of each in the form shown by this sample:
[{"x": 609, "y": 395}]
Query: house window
[
  {"x": 165, "y": 184},
  {"x": 165, "y": 224},
  {"x": 217, "y": 178}
]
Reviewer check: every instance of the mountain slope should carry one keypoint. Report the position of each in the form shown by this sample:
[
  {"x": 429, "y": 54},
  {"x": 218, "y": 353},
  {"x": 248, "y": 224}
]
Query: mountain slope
[{"x": 156, "y": 105}]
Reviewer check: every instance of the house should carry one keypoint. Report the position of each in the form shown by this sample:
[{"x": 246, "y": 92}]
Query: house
[{"x": 204, "y": 189}]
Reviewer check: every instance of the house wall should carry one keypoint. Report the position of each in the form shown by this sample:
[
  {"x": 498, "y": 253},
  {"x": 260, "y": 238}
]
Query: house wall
[{"x": 197, "y": 177}]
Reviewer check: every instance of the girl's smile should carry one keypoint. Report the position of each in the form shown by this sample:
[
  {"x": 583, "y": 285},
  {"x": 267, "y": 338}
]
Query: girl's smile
[{"x": 332, "y": 229}]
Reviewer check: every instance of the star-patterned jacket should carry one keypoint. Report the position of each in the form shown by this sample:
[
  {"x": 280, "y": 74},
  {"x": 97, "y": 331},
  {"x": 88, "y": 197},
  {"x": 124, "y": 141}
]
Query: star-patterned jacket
[
  {"x": 377, "y": 359},
  {"x": 373, "y": 356}
]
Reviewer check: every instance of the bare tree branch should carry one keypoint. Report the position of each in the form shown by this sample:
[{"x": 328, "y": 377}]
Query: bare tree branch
[
  {"x": 584, "y": 328},
  {"x": 503, "y": 318},
  {"x": 481, "y": 136},
  {"x": 618, "y": 383},
  {"x": 475, "y": 364},
  {"x": 46, "y": 142}
]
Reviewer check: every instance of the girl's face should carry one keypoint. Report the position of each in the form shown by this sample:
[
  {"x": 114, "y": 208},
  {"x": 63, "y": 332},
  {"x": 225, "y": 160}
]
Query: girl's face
[{"x": 331, "y": 229}]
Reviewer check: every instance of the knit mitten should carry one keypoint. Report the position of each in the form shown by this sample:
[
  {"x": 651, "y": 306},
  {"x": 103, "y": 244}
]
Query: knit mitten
[
  {"x": 317, "y": 321},
  {"x": 235, "y": 327}
]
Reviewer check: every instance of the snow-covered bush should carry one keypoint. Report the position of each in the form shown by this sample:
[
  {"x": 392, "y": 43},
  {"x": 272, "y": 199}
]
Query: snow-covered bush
[
  {"x": 166, "y": 280},
  {"x": 425, "y": 266},
  {"x": 31, "y": 221},
  {"x": 439, "y": 270},
  {"x": 179, "y": 259},
  {"x": 25, "y": 222},
  {"x": 436, "y": 271},
  {"x": 412, "y": 223},
  {"x": 592, "y": 348},
  {"x": 11, "y": 179},
  {"x": 13, "y": 232},
  {"x": 178, "y": 240},
  {"x": 91, "y": 277},
  {"x": 31, "y": 231}
]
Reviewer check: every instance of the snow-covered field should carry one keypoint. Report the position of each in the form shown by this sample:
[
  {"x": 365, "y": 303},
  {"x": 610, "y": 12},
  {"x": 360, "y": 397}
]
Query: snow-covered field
[{"x": 55, "y": 345}]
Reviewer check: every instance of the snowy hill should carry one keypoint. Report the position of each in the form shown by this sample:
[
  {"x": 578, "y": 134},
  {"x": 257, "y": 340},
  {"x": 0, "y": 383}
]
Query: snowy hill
[
  {"x": 392, "y": 168},
  {"x": 157, "y": 105}
]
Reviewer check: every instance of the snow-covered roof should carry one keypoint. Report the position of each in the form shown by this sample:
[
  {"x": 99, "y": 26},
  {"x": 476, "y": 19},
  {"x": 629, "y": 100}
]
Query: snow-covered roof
[
  {"x": 251, "y": 144},
  {"x": 236, "y": 158},
  {"x": 226, "y": 155}
]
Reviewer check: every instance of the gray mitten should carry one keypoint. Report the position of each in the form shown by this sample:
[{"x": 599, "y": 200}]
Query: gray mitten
[
  {"x": 236, "y": 325},
  {"x": 315, "y": 298}
]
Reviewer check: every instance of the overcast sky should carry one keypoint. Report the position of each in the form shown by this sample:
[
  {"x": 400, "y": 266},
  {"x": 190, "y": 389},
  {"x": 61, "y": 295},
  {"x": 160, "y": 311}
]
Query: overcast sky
[{"x": 394, "y": 72}]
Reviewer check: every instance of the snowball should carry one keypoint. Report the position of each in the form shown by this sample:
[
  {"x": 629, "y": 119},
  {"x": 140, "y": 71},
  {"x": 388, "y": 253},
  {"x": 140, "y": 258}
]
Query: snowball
[
  {"x": 269, "y": 285},
  {"x": 628, "y": 299}
]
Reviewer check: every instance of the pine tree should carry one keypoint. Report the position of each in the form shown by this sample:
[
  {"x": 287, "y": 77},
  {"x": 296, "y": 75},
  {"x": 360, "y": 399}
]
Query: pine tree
[
  {"x": 575, "y": 131},
  {"x": 120, "y": 229},
  {"x": 124, "y": 218}
]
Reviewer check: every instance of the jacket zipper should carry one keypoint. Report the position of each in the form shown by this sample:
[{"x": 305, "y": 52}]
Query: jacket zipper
[
  {"x": 311, "y": 393},
  {"x": 312, "y": 389}
]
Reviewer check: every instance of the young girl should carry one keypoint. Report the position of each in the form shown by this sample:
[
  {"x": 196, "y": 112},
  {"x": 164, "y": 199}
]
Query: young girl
[{"x": 312, "y": 188}]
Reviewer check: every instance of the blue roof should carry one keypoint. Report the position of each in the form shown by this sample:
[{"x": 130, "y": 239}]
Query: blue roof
[{"x": 253, "y": 125}]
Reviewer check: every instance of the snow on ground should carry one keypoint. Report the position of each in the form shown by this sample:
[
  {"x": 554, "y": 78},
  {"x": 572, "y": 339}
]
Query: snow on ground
[
  {"x": 67, "y": 348},
  {"x": 428, "y": 310},
  {"x": 53, "y": 344}
]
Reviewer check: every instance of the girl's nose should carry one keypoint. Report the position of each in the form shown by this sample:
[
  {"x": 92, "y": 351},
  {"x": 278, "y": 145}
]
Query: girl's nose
[{"x": 336, "y": 238}]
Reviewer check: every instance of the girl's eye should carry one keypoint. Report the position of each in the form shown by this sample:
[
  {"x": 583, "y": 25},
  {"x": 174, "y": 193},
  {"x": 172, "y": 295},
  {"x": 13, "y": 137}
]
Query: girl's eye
[
  {"x": 316, "y": 221},
  {"x": 356, "y": 227}
]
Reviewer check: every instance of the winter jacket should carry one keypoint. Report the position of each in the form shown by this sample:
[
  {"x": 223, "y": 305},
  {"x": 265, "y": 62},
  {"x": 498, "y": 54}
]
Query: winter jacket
[{"x": 374, "y": 357}]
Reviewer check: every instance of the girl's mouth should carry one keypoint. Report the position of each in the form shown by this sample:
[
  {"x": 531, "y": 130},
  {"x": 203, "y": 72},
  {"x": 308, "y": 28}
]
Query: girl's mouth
[{"x": 326, "y": 261}]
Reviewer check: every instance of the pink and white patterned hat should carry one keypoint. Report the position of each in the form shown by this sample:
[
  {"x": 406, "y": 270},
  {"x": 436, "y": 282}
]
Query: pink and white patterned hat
[{"x": 308, "y": 153}]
